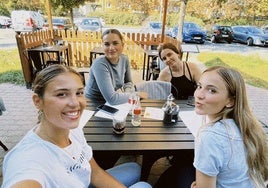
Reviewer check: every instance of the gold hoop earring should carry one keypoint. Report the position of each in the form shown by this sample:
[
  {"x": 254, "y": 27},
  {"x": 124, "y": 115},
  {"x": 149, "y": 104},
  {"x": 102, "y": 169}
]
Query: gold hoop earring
[{"x": 40, "y": 115}]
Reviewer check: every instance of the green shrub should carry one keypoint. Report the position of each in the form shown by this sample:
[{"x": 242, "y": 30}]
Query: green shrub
[
  {"x": 121, "y": 18},
  {"x": 11, "y": 71},
  {"x": 14, "y": 77}
]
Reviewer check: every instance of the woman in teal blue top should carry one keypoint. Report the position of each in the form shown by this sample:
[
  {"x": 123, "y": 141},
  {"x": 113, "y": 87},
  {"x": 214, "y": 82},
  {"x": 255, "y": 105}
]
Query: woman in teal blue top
[{"x": 231, "y": 147}]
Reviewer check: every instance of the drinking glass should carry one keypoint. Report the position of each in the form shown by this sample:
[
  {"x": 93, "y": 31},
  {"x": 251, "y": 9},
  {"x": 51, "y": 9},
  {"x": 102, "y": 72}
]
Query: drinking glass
[{"x": 119, "y": 124}]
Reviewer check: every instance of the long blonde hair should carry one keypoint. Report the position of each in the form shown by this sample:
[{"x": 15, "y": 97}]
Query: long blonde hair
[{"x": 253, "y": 134}]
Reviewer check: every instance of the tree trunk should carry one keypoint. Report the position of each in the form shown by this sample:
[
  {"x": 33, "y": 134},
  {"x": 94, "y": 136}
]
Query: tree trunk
[
  {"x": 72, "y": 18},
  {"x": 181, "y": 19}
]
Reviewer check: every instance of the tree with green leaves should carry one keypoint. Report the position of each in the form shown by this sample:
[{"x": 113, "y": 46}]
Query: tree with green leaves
[
  {"x": 34, "y": 5},
  {"x": 65, "y": 7},
  {"x": 4, "y": 10}
]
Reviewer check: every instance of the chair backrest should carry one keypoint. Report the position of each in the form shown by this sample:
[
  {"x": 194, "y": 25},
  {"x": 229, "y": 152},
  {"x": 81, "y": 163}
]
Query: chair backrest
[
  {"x": 35, "y": 61},
  {"x": 155, "y": 89}
]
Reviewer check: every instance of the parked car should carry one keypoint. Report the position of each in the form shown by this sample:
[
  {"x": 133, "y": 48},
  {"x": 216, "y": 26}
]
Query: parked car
[
  {"x": 60, "y": 23},
  {"x": 191, "y": 32},
  {"x": 90, "y": 24},
  {"x": 156, "y": 28},
  {"x": 250, "y": 35},
  {"x": 222, "y": 33},
  {"x": 25, "y": 21},
  {"x": 5, "y": 22},
  {"x": 265, "y": 28}
]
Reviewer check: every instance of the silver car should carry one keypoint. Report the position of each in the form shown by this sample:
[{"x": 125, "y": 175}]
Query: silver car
[
  {"x": 90, "y": 24},
  {"x": 250, "y": 35}
]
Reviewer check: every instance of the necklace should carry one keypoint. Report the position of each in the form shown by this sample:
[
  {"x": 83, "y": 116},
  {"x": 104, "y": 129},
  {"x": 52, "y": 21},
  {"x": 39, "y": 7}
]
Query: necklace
[
  {"x": 51, "y": 140},
  {"x": 64, "y": 142},
  {"x": 66, "y": 150},
  {"x": 65, "y": 145}
]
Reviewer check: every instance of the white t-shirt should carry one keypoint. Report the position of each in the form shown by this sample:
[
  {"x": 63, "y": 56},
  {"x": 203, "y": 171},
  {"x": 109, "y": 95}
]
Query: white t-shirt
[{"x": 52, "y": 166}]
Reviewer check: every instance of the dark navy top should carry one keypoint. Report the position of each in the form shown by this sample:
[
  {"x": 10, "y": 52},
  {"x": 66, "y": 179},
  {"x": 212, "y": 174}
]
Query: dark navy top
[{"x": 182, "y": 87}]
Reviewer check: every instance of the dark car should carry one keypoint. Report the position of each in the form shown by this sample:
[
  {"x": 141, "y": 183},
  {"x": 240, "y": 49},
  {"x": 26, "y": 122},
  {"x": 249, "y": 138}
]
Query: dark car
[
  {"x": 191, "y": 32},
  {"x": 156, "y": 28},
  {"x": 59, "y": 23},
  {"x": 5, "y": 22},
  {"x": 222, "y": 33},
  {"x": 90, "y": 24},
  {"x": 250, "y": 35}
]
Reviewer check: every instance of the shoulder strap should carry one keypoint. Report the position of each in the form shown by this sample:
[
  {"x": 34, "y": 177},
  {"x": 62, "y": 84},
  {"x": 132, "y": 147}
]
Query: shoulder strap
[
  {"x": 170, "y": 71},
  {"x": 183, "y": 67},
  {"x": 189, "y": 72}
]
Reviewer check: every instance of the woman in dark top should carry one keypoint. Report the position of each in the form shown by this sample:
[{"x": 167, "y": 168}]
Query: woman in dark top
[{"x": 182, "y": 75}]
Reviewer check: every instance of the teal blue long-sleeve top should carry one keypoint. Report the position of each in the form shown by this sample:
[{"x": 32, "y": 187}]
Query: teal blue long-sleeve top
[{"x": 105, "y": 79}]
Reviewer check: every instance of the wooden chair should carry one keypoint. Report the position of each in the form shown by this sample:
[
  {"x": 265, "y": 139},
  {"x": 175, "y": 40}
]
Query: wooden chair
[
  {"x": 35, "y": 62},
  {"x": 154, "y": 68}
]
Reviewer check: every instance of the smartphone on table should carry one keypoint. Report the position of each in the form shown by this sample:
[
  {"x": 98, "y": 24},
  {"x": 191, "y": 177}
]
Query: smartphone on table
[{"x": 108, "y": 109}]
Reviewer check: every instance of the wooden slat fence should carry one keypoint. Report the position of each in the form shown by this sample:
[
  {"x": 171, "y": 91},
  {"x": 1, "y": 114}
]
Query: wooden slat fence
[{"x": 80, "y": 44}]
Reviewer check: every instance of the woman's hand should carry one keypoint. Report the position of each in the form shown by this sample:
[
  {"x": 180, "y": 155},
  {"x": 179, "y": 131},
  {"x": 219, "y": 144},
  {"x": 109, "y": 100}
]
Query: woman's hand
[
  {"x": 193, "y": 185},
  {"x": 143, "y": 95}
]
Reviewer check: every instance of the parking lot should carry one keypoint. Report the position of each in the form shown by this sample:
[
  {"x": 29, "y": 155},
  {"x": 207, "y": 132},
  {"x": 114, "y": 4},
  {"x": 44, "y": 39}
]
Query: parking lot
[{"x": 7, "y": 40}]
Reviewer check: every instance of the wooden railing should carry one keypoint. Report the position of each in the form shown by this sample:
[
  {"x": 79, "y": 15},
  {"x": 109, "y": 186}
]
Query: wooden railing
[{"x": 81, "y": 43}]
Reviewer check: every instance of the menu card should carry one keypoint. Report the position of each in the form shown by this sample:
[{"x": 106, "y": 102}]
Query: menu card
[
  {"x": 192, "y": 120},
  {"x": 154, "y": 113},
  {"x": 86, "y": 115}
]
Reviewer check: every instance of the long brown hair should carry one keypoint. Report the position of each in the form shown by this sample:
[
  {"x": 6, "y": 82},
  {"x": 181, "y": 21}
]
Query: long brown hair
[
  {"x": 170, "y": 46},
  {"x": 253, "y": 134}
]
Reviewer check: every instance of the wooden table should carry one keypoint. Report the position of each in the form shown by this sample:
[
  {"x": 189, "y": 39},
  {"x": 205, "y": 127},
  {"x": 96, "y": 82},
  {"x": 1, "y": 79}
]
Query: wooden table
[
  {"x": 152, "y": 138},
  {"x": 37, "y": 56},
  {"x": 189, "y": 48},
  {"x": 94, "y": 52}
]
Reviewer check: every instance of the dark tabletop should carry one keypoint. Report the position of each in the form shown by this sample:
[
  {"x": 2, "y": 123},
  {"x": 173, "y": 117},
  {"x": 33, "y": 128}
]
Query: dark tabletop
[
  {"x": 152, "y": 135},
  {"x": 153, "y": 139}
]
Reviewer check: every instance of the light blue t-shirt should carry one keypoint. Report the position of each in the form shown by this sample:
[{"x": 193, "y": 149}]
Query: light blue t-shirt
[
  {"x": 220, "y": 152},
  {"x": 52, "y": 166}
]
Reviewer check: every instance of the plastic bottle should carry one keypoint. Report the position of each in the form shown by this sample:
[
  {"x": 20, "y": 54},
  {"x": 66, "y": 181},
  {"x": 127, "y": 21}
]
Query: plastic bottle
[
  {"x": 136, "y": 113},
  {"x": 132, "y": 101}
]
